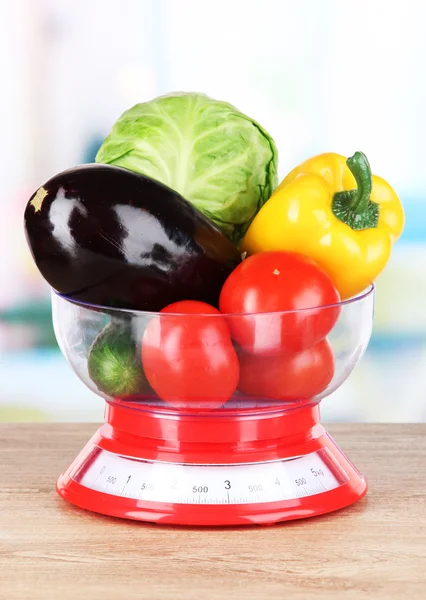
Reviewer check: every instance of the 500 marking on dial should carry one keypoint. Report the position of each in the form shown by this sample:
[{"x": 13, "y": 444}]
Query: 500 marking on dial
[{"x": 210, "y": 484}]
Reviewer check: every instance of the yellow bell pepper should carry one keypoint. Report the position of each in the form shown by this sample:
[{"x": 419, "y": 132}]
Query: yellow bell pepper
[{"x": 335, "y": 211}]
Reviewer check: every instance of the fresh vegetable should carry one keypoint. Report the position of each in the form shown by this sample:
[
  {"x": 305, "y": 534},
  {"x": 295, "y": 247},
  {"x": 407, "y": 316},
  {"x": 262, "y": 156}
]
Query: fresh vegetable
[
  {"x": 107, "y": 236},
  {"x": 188, "y": 356},
  {"x": 271, "y": 282},
  {"x": 335, "y": 211},
  {"x": 114, "y": 363},
  {"x": 299, "y": 376},
  {"x": 216, "y": 157}
]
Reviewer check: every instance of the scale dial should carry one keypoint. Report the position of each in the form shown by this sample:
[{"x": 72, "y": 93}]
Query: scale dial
[{"x": 176, "y": 483}]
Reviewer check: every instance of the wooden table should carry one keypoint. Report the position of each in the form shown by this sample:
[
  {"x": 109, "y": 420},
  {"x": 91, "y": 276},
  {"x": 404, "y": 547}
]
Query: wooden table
[{"x": 375, "y": 549}]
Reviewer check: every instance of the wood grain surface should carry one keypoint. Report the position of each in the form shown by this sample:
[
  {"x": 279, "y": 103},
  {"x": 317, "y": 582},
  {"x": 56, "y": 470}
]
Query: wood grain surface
[{"x": 375, "y": 549}]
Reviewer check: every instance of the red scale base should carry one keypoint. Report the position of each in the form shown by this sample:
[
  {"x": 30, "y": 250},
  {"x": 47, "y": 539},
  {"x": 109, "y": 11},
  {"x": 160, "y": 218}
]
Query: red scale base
[{"x": 218, "y": 438}]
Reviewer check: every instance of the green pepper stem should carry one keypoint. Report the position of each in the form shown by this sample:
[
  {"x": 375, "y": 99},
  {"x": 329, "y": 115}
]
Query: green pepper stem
[
  {"x": 354, "y": 207},
  {"x": 360, "y": 168}
]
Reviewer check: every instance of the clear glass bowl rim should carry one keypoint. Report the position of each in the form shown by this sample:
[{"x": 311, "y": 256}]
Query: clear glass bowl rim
[{"x": 144, "y": 313}]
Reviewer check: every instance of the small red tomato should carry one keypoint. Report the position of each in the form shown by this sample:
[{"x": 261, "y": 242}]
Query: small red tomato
[
  {"x": 188, "y": 356},
  {"x": 290, "y": 303},
  {"x": 295, "y": 377}
]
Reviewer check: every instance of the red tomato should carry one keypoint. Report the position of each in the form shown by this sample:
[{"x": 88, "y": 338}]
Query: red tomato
[
  {"x": 270, "y": 282},
  {"x": 188, "y": 356},
  {"x": 301, "y": 376}
]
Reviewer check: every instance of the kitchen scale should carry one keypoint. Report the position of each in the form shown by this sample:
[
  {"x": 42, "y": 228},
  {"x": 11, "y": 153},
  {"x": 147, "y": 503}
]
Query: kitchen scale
[{"x": 253, "y": 461}]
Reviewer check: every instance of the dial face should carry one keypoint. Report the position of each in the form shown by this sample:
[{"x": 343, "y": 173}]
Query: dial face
[{"x": 175, "y": 483}]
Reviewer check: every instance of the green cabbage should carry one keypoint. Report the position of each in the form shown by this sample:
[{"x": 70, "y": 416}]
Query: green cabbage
[{"x": 219, "y": 159}]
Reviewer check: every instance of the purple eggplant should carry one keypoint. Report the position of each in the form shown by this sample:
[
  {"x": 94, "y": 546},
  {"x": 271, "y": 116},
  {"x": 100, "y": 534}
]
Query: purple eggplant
[{"x": 107, "y": 236}]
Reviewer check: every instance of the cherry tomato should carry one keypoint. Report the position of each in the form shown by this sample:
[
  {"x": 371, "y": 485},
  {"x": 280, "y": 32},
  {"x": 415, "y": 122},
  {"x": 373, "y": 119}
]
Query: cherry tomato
[
  {"x": 188, "y": 356},
  {"x": 300, "y": 376},
  {"x": 266, "y": 284}
]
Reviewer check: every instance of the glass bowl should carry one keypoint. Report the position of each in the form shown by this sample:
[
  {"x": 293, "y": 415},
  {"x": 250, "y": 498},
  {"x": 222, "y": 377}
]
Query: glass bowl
[{"x": 184, "y": 363}]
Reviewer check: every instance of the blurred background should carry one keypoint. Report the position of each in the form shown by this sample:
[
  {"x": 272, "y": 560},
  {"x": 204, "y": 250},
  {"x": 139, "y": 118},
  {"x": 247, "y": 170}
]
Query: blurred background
[{"x": 320, "y": 76}]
